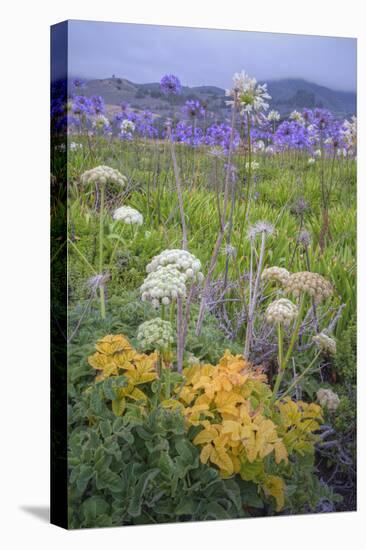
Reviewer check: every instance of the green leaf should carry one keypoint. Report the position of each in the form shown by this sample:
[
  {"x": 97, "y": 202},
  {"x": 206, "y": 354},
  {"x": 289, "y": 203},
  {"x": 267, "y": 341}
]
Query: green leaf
[
  {"x": 134, "y": 508},
  {"x": 106, "y": 479},
  {"x": 118, "y": 406},
  {"x": 166, "y": 465},
  {"x": 105, "y": 428},
  {"x": 94, "y": 507}
]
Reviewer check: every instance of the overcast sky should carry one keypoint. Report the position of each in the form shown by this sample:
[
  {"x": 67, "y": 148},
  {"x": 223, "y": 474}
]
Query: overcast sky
[{"x": 143, "y": 53}]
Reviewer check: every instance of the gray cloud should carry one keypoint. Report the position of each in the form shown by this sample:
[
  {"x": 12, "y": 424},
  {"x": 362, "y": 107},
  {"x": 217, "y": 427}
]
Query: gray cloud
[{"x": 143, "y": 53}]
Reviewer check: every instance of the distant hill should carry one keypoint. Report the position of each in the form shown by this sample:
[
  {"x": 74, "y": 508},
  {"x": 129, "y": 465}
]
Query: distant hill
[{"x": 287, "y": 95}]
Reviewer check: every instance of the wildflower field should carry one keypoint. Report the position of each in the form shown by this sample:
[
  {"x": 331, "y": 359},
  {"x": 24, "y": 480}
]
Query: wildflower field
[{"x": 211, "y": 308}]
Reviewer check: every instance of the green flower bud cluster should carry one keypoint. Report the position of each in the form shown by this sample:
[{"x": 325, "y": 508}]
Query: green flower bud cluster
[
  {"x": 163, "y": 286},
  {"x": 155, "y": 334}
]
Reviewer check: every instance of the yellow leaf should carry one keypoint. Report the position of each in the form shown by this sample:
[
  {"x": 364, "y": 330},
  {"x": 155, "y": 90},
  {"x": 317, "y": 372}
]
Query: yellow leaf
[
  {"x": 280, "y": 452},
  {"x": 274, "y": 486},
  {"x": 205, "y": 453},
  {"x": 111, "y": 344},
  {"x": 206, "y": 436},
  {"x": 138, "y": 395},
  {"x": 226, "y": 402}
]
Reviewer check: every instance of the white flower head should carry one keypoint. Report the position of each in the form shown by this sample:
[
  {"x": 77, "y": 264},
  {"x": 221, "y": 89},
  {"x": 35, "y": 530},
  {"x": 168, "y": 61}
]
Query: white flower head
[
  {"x": 101, "y": 122},
  {"x": 102, "y": 175},
  {"x": 295, "y": 115},
  {"x": 327, "y": 398},
  {"x": 74, "y": 145},
  {"x": 311, "y": 160},
  {"x": 127, "y": 126},
  {"x": 248, "y": 94},
  {"x": 182, "y": 260},
  {"x": 273, "y": 116},
  {"x": 325, "y": 343},
  {"x": 281, "y": 311},
  {"x": 274, "y": 273},
  {"x": 128, "y": 215},
  {"x": 163, "y": 286}
]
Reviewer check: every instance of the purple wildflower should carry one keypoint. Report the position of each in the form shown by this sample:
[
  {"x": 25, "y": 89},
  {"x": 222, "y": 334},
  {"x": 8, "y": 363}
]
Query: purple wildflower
[{"x": 170, "y": 85}]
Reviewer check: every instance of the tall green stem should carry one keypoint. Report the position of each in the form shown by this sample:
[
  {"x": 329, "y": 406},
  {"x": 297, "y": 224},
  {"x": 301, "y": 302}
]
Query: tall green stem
[
  {"x": 282, "y": 361},
  {"x": 295, "y": 333},
  {"x": 297, "y": 380},
  {"x": 101, "y": 239},
  {"x": 281, "y": 369}
]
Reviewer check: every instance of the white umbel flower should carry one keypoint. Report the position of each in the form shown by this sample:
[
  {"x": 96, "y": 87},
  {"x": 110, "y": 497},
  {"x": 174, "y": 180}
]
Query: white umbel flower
[
  {"x": 101, "y": 122},
  {"x": 102, "y": 175},
  {"x": 155, "y": 334},
  {"x": 281, "y": 311},
  {"x": 325, "y": 343},
  {"x": 248, "y": 94},
  {"x": 127, "y": 126},
  {"x": 329, "y": 399},
  {"x": 311, "y": 160},
  {"x": 295, "y": 115},
  {"x": 182, "y": 260},
  {"x": 128, "y": 215},
  {"x": 163, "y": 285},
  {"x": 274, "y": 273},
  {"x": 273, "y": 116}
]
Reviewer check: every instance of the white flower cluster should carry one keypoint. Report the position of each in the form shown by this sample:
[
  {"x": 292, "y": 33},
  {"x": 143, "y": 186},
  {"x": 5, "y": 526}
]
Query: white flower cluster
[
  {"x": 182, "y": 260},
  {"x": 311, "y": 160},
  {"x": 349, "y": 131},
  {"x": 273, "y": 116},
  {"x": 259, "y": 146},
  {"x": 155, "y": 333},
  {"x": 254, "y": 165},
  {"x": 325, "y": 343},
  {"x": 74, "y": 145},
  {"x": 281, "y": 311},
  {"x": 163, "y": 286},
  {"x": 103, "y": 175},
  {"x": 127, "y": 126},
  {"x": 101, "y": 122},
  {"x": 310, "y": 283},
  {"x": 250, "y": 96},
  {"x": 128, "y": 215},
  {"x": 295, "y": 115},
  {"x": 327, "y": 398},
  {"x": 274, "y": 273}
]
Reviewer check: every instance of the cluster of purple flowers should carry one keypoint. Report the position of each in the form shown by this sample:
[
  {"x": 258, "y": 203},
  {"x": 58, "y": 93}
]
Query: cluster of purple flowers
[
  {"x": 291, "y": 135},
  {"x": 170, "y": 85},
  {"x": 143, "y": 122},
  {"x": 193, "y": 109},
  {"x": 309, "y": 130},
  {"x": 82, "y": 105}
]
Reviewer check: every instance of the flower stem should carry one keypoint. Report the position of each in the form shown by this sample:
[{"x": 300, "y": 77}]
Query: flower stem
[
  {"x": 297, "y": 380},
  {"x": 295, "y": 333},
  {"x": 281, "y": 369},
  {"x": 101, "y": 238}
]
